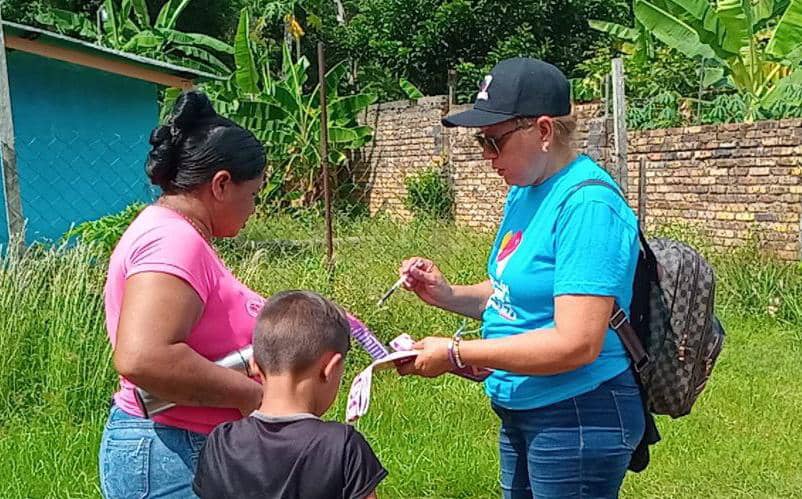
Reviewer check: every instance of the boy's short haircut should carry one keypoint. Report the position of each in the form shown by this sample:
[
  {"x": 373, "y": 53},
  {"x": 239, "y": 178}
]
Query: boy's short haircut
[{"x": 295, "y": 328}]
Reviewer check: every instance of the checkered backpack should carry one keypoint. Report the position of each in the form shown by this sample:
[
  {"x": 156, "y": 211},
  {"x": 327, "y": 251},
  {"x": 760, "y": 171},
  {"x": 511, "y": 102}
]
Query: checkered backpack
[{"x": 672, "y": 333}]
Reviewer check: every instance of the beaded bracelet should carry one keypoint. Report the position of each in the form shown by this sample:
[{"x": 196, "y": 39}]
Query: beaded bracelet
[{"x": 453, "y": 350}]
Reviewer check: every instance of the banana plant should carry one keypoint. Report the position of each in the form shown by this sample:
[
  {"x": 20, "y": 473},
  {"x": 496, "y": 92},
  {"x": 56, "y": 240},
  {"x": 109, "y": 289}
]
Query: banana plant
[
  {"x": 411, "y": 91},
  {"x": 635, "y": 42},
  {"x": 126, "y": 25},
  {"x": 754, "y": 46},
  {"x": 285, "y": 113}
]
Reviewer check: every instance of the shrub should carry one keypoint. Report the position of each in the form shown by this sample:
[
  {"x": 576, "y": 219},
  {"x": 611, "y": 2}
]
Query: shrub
[
  {"x": 105, "y": 231},
  {"x": 429, "y": 195}
]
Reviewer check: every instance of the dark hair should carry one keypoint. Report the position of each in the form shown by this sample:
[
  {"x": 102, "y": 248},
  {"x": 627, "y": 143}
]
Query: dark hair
[
  {"x": 295, "y": 328},
  {"x": 196, "y": 143}
]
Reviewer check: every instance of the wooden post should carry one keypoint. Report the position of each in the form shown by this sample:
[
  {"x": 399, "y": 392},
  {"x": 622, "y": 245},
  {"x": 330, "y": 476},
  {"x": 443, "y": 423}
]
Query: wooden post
[
  {"x": 620, "y": 124},
  {"x": 701, "y": 90},
  {"x": 452, "y": 82},
  {"x": 642, "y": 192},
  {"x": 13, "y": 203},
  {"x": 324, "y": 153}
]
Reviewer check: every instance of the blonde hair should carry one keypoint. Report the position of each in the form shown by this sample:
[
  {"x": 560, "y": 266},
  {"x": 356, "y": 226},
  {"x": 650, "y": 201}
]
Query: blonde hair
[{"x": 564, "y": 128}]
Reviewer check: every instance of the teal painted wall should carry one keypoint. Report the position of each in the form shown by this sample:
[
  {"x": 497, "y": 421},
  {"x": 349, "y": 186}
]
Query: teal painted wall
[{"x": 81, "y": 139}]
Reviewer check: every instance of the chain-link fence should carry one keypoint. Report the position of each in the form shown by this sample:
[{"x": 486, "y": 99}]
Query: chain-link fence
[
  {"x": 69, "y": 177},
  {"x": 288, "y": 251}
]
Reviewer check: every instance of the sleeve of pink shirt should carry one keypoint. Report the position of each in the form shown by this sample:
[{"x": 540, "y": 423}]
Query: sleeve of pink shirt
[{"x": 176, "y": 249}]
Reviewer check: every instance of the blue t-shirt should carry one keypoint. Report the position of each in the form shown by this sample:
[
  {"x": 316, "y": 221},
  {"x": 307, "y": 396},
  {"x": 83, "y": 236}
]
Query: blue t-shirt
[{"x": 587, "y": 247}]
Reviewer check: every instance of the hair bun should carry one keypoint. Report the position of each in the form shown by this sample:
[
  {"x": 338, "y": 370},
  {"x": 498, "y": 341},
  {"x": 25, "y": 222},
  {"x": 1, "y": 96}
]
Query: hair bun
[
  {"x": 190, "y": 110},
  {"x": 162, "y": 166}
]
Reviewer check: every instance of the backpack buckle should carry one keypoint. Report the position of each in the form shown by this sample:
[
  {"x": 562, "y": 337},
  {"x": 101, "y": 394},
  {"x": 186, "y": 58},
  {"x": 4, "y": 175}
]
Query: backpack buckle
[
  {"x": 616, "y": 321},
  {"x": 641, "y": 364}
]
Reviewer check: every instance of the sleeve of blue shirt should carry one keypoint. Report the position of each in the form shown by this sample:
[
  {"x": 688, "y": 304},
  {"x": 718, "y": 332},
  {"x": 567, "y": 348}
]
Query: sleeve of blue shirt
[{"x": 595, "y": 245}]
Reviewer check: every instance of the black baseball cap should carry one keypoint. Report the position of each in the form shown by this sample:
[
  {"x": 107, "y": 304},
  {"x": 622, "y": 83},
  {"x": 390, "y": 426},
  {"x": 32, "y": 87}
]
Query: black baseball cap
[{"x": 521, "y": 86}]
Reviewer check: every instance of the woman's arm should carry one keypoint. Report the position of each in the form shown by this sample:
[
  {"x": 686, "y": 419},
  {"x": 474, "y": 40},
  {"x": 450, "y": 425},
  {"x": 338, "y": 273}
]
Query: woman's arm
[
  {"x": 426, "y": 281},
  {"x": 581, "y": 323},
  {"x": 469, "y": 300},
  {"x": 158, "y": 312}
]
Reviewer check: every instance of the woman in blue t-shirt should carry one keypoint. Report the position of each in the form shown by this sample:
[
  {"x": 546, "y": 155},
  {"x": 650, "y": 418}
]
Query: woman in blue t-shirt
[{"x": 570, "y": 409}]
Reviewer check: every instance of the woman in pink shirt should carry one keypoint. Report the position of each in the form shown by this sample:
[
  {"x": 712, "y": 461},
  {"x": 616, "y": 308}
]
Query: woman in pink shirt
[{"x": 172, "y": 306}]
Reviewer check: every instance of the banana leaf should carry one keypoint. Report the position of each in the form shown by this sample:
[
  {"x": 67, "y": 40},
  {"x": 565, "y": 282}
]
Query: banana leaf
[
  {"x": 410, "y": 90},
  {"x": 141, "y": 13},
  {"x": 212, "y": 63},
  {"x": 780, "y": 92},
  {"x": 170, "y": 95},
  {"x": 712, "y": 76},
  {"x": 197, "y": 40},
  {"x": 342, "y": 135},
  {"x": 175, "y": 56},
  {"x": 614, "y": 29},
  {"x": 176, "y": 13},
  {"x": 333, "y": 78},
  {"x": 671, "y": 30},
  {"x": 124, "y": 13},
  {"x": 295, "y": 73},
  {"x": 67, "y": 22},
  {"x": 737, "y": 18},
  {"x": 144, "y": 40},
  {"x": 787, "y": 36},
  {"x": 702, "y": 18},
  {"x": 762, "y": 10},
  {"x": 246, "y": 76},
  {"x": 168, "y": 15},
  {"x": 350, "y": 105},
  {"x": 111, "y": 25}
]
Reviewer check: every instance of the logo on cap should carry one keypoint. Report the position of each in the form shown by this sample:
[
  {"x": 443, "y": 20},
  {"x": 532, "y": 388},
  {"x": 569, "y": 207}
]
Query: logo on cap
[{"x": 483, "y": 95}]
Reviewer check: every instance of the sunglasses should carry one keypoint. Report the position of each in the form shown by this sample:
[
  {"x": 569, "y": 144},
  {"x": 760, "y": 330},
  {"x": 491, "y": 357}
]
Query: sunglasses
[{"x": 492, "y": 145}]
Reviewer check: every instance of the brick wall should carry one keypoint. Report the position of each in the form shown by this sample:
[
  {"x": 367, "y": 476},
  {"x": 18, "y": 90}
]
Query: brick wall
[
  {"x": 407, "y": 138},
  {"x": 732, "y": 181}
]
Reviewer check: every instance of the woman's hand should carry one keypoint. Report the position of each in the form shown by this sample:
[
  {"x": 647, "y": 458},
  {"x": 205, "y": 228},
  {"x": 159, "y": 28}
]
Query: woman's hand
[
  {"x": 425, "y": 280},
  {"x": 255, "y": 401},
  {"x": 432, "y": 359}
]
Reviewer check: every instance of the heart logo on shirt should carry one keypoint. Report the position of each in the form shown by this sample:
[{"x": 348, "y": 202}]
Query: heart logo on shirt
[
  {"x": 253, "y": 307},
  {"x": 509, "y": 243}
]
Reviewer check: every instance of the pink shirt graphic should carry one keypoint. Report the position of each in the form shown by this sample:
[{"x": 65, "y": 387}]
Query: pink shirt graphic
[{"x": 160, "y": 240}]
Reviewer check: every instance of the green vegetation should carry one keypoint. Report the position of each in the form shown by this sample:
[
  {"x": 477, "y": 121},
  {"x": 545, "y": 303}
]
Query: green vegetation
[{"x": 436, "y": 437}]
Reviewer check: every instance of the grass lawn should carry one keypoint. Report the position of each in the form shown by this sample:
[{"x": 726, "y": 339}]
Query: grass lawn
[{"x": 436, "y": 437}]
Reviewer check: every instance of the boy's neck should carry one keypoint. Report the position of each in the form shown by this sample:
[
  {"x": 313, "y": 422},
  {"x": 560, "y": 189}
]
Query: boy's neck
[{"x": 285, "y": 394}]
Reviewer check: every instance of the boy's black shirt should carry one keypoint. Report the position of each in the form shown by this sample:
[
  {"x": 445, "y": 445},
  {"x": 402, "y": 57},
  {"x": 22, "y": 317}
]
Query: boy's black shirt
[{"x": 297, "y": 456}]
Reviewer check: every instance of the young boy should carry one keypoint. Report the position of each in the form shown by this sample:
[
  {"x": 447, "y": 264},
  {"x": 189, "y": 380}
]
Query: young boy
[{"x": 284, "y": 449}]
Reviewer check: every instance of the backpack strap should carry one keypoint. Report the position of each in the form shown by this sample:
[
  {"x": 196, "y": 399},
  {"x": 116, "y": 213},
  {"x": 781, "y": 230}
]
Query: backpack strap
[
  {"x": 602, "y": 183},
  {"x": 619, "y": 322}
]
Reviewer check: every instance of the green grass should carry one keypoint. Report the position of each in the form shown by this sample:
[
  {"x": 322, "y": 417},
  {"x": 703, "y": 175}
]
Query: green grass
[{"x": 436, "y": 437}]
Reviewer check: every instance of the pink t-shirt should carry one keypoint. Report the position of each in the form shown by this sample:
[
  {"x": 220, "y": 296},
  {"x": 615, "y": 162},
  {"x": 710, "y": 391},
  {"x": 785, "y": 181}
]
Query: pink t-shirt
[{"x": 160, "y": 240}]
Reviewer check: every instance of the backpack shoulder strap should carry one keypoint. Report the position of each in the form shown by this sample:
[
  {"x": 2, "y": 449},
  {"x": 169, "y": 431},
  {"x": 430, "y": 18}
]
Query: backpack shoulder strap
[
  {"x": 585, "y": 183},
  {"x": 602, "y": 183}
]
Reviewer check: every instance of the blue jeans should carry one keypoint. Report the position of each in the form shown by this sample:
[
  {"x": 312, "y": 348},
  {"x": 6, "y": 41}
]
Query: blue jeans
[
  {"x": 142, "y": 459},
  {"x": 577, "y": 448}
]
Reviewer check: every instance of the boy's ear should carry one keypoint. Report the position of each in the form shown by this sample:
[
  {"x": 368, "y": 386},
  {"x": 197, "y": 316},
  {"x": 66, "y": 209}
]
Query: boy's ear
[{"x": 331, "y": 366}]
